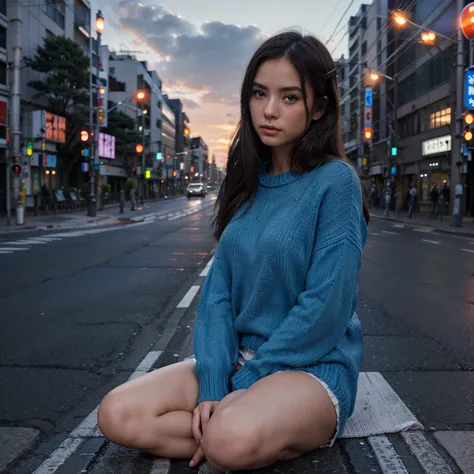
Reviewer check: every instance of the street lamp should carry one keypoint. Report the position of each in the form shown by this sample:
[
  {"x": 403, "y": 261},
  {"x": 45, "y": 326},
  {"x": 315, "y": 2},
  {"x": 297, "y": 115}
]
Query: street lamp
[
  {"x": 94, "y": 126},
  {"x": 99, "y": 22}
]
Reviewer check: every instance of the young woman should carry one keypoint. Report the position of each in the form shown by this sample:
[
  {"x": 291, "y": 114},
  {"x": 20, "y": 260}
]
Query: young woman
[{"x": 278, "y": 345}]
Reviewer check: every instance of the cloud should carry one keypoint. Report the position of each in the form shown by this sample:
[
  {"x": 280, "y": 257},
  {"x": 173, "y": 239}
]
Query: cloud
[
  {"x": 190, "y": 104},
  {"x": 211, "y": 58}
]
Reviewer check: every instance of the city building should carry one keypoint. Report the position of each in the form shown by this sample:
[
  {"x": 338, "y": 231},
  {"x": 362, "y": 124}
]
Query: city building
[
  {"x": 413, "y": 99},
  {"x": 127, "y": 77},
  {"x": 200, "y": 154},
  {"x": 182, "y": 138},
  {"x": 4, "y": 95},
  {"x": 39, "y": 21}
]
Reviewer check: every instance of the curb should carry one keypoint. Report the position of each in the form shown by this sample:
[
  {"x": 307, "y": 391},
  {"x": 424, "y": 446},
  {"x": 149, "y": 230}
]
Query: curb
[
  {"x": 104, "y": 222},
  {"x": 425, "y": 227}
]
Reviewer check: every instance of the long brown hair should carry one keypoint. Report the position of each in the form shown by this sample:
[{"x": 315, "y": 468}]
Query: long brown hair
[{"x": 320, "y": 143}]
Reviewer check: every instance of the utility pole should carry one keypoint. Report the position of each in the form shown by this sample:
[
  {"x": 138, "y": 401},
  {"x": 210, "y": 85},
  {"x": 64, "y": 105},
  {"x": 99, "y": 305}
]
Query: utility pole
[
  {"x": 15, "y": 28},
  {"x": 456, "y": 183}
]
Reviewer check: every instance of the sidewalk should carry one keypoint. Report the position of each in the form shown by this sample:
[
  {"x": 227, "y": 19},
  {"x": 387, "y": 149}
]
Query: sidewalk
[
  {"x": 70, "y": 220},
  {"x": 422, "y": 221}
]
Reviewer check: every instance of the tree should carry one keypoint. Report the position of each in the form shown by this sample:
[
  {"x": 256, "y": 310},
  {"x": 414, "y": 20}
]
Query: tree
[
  {"x": 123, "y": 128},
  {"x": 65, "y": 85}
]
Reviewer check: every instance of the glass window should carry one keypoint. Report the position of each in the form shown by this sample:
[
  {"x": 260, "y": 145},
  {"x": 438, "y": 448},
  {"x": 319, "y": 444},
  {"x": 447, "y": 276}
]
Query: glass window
[
  {"x": 3, "y": 73},
  {"x": 56, "y": 10},
  {"x": 3, "y": 37}
]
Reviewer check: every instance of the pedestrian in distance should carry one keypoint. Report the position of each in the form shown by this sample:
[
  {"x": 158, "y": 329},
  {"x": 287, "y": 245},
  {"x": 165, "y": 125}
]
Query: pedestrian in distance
[{"x": 278, "y": 344}]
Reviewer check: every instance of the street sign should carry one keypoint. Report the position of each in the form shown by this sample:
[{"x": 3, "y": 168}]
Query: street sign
[
  {"x": 368, "y": 96},
  {"x": 368, "y": 114},
  {"x": 469, "y": 89}
]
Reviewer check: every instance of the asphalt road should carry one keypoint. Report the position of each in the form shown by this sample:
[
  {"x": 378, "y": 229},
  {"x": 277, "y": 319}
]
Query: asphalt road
[{"x": 81, "y": 310}]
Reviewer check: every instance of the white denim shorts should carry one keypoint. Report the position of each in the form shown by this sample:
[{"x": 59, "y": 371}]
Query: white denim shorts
[{"x": 247, "y": 354}]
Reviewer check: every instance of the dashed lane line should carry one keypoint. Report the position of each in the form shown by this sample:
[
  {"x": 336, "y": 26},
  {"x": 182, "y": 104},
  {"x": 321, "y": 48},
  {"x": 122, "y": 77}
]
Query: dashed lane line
[
  {"x": 188, "y": 297},
  {"x": 434, "y": 242}
]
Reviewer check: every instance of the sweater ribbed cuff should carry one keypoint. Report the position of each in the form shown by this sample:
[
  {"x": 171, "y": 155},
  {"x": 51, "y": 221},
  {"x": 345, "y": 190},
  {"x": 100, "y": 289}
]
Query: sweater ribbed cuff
[
  {"x": 243, "y": 379},
  {"x": 213, "y": 386}
]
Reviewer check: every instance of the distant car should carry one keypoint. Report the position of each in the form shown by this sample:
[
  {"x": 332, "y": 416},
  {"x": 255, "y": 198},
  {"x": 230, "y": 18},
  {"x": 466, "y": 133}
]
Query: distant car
[{"x": 196, "y": 189}]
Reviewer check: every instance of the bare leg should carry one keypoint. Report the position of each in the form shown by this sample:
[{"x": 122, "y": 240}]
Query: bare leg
[
  {"x": 279, "y": 417},
  {"x": 153, "y": 413}
]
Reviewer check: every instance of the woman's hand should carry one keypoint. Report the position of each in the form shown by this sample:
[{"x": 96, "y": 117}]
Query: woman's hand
[{"x": 201, "y": 415}]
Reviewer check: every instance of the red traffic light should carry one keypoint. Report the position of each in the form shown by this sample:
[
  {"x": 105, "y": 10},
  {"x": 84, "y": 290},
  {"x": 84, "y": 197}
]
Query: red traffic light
[
  {"x": 466, "y": 21},
  {"x": 16, "y": 169},
  {"x": 468, "y": 118},
  {"x": 84, "y": 135},
  {"x": 139, "y": 148},
  {"x": 134, "y": 170}
]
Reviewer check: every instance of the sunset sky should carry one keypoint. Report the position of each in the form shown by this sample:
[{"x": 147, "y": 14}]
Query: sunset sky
[{"x": 200, "y": 48}]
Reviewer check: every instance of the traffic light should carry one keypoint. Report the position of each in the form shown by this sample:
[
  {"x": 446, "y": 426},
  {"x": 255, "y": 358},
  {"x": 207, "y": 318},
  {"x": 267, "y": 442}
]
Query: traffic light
[
  {"x": 139, "y": 148},
  {"x": 367, "y": 134},
  {"x": 84, "y": 136},
  {"x": 134, "y": 171},
  {"x": 16, "y": 169},
  {"x": 29, "y": 149},
  {"x": 100, "y": 115},
  {"x": 468, "y": 119},
  {"x": 394, "y": 151},
  {"x": 147, "y": 174}
]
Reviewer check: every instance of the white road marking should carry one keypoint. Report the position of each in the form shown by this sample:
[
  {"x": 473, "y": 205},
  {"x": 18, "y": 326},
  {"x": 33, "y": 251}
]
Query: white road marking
[
  {"x": 390, "y": 233},
  {"x": 431, "y": 241},
  {"x": 60, "y": 455},
  {"x": 207, "y": 268},
  {"x": 375, "y": 233},
  {"x": 25, "y": 242},
  {"x": 88, "y": 427},
  {"x": 387, "y": 458},
  {"x": 425, "y": 452},
  {"x": 188, "y": 297},
  {"x": 399, "y": 226},
  {"x": 468, "y": 250},
  {"x": 160, "y": 466},
  {"x": 10, "y": 249},
  {"x": 426, "y": 231},
  {"x": 146, "y": 364},
  {"x": 1, "y": 251}
]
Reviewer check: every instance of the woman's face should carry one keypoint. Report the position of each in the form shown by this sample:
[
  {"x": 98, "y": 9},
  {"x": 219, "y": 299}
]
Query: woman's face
[{"x": 277, "y": 105}]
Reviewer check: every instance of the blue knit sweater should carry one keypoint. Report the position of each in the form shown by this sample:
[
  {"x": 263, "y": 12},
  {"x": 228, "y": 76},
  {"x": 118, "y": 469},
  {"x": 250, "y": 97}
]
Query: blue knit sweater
[{"x": 284, "y": 284}]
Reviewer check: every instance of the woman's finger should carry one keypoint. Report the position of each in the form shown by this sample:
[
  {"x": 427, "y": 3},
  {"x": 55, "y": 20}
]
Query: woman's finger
[
  {"x": 196, "y": 425},
  {"x": 205, "y": 415},
  {"x": 197, "y": 458}
]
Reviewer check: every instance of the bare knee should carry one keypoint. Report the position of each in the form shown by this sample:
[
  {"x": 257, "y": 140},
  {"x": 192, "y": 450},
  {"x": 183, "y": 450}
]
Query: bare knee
[
  {"x": 117, "y": 420},
  {"x": 231, "y": 443}
]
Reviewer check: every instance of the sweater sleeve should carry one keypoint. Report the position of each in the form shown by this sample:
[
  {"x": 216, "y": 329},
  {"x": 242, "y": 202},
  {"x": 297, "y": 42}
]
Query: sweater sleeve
[
  {"x": 319, "y": 319},
  {"x": 215, "y": 339}
]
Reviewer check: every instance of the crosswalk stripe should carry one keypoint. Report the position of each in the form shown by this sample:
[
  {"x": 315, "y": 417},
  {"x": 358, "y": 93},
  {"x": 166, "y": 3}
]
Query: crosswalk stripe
[
  {"x": 399, "y": 226},
  {"x": 4, "y": 252},
  {"x": 160, "y": 466},
  {"x": 468, "y": 250},
  {"x": 23, "y": 242},
  {"x": 426, "y": 231},
  {"x": 426, "y": 453},
  {"x": 387, "y": 458},
  {"x": 10, "y": 249},
  {"x": 188, "y": 297},
  {"x": 390, "y": 233}
]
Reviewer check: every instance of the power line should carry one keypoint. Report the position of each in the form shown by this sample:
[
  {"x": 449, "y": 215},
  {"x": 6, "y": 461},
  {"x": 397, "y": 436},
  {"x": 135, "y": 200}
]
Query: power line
[{"x": 340, "y": 21}]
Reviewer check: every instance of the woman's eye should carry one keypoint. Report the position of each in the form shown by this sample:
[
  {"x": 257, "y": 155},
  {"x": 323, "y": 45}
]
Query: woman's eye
[
  {"x": 291, "y": 98},
  {"x": 258, "y": 94}
]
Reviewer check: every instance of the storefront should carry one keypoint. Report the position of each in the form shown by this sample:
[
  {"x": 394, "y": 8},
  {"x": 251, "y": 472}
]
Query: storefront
[{"x": 435, "y": 166}]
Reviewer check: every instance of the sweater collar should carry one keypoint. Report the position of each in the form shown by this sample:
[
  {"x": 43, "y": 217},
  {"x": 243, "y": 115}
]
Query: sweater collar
[{"x": 274, "y": 181}]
